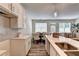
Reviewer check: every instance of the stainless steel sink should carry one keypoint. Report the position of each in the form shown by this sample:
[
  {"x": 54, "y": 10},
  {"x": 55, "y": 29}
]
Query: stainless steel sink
[{"x": 65, "y": 46}]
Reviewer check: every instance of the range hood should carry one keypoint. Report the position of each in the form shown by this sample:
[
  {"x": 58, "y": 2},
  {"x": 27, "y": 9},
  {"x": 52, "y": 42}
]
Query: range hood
[{"x": 6, "y": 13}]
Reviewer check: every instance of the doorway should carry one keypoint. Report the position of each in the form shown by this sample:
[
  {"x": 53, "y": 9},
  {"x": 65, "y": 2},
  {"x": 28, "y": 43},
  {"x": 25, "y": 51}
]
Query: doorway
[{"x": 52, "y": 28}]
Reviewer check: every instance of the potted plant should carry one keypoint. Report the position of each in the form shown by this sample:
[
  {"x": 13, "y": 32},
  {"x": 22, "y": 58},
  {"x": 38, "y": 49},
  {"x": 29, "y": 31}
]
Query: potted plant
[{"x": 77, "y": 30}]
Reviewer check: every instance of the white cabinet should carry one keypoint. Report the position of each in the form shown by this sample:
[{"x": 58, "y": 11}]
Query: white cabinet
[
  {"x": 28, "y": 45},
  {"x": 16, "y": 13},
  {"x": 15, "y": 8},
  {"x": 21, "y": 17},
  {"x": 20, "y": 47},
  {"x": 47, "y": 46},
  {"x": 53, "y": 52},
  {"x": 6, "y": 6},
  {"x": 19, "y": 11},
  {"x": 4, "y": 53},
  {"x": 5, "y": 10},
  {"x": 5, "y": 47}
]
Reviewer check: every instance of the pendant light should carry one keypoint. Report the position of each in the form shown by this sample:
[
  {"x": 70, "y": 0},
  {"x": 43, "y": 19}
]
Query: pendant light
[
  {"x": 55, "y": 11},
  {"x": 55, "y": 14}
]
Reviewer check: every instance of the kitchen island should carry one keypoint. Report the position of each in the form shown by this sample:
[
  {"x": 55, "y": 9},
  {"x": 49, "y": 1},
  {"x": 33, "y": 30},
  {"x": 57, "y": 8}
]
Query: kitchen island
[{"x": 63, "y": 47}]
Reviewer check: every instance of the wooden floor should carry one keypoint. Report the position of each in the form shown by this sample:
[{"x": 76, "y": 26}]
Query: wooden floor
[{"x": 37, "y": 50}]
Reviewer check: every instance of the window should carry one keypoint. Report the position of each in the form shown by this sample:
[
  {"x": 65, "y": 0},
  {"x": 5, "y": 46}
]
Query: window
[
  {"x": 65, "y": 27},
  {"x": 40, "y": 27}
]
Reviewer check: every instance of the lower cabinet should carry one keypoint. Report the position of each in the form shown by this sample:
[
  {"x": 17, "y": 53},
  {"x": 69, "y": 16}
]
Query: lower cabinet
[
  {"x": 4, "y": 53},
  {"x": 50, "y": 49},
  {"x": 28, "y": 45},
  {"x": 47, "y": 46},
  {"x": 5, "y": 47},
  {"x": 20, "y": 47},
  {"x": 53, "y": 51}
]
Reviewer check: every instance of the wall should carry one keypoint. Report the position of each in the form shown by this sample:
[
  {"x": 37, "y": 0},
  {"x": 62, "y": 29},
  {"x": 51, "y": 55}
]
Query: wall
[
  {"x": 5, "y": 31},
  {"x": 48, "y": 23},
  {"x": 27, "y": 30},
  {"x": 77, "y": 21}
]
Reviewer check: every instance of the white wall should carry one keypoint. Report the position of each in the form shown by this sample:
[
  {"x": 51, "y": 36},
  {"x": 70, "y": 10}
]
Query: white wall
[
  {"x": 27, "y": 30},
  {"x": 77, "y": 21}
]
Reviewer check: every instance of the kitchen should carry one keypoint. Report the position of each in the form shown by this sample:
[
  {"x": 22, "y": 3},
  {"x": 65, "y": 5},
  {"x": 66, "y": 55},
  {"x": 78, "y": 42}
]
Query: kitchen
[
  {"x": 12, "y": 21},
  {"x": 39, "y": 29}
]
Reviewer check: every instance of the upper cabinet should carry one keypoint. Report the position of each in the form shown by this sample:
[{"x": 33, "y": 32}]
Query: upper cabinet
[
  {"x": 15, "y": 12},
  {"x": 5, "y": 10},
  {"x": 15, "y": 8},
  {"x": 6, "y": 6},
  {"x": 19, "y": 11}
]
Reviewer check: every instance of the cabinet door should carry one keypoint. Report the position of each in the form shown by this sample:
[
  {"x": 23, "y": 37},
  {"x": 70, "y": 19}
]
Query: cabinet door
[
  {"x": 6, "y": 5},
  {"x": 52, "y": 51},
  {"x": 47, "y": 46},
  {"x": 13, "y": 23},
  {"x": 15, "y": 8},
  {"x": 28, "y": 45},
  {"x": 19, "y": 11},
  {"x": 5, "y": 45},
  {"x": 20, "y": 17},
  {"x": 18, "y": 47}
]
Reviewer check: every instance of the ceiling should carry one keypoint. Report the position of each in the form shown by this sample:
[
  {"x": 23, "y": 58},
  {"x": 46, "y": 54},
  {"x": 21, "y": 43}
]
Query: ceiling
[{"x": 46, "y": 10}]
